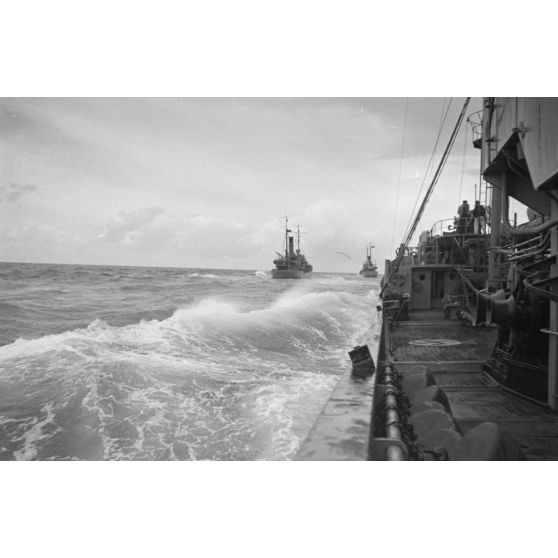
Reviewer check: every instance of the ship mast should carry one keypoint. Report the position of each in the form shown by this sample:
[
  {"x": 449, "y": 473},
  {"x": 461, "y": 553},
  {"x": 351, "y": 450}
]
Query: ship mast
[
  {"x": 370, "y": 246},
  {"x": 286, "y": 236}
]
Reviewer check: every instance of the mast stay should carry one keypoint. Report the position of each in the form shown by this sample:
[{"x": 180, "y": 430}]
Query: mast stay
[{"x": 407, "y": 239}]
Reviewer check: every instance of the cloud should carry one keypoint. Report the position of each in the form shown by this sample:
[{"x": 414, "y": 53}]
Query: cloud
[
  {"x": 13, "y": 191},
  {"x": 129, "y": 225},
  {"x": 225, "y": 170},
  {"x": 207, "y": 236}
]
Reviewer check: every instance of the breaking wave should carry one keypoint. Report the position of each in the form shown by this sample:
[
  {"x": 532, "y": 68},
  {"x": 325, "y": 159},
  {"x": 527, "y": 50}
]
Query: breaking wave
[
  {"x": 218, "y": 379},
  {"x": 204, "y": 275}
]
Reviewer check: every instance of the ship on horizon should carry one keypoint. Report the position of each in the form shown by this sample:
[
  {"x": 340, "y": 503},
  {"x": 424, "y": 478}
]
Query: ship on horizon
[
  {"x": 293, "y": 263},
  {"x": 369, "y": 268}
]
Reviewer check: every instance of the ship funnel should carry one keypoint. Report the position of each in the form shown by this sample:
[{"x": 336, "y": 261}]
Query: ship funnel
[
  {"x": 291, "y": 246},
  {"x": 504, "y": 312}
]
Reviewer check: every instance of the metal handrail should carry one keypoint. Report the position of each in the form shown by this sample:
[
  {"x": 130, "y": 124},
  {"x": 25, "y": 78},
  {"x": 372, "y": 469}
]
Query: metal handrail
[
  {"x": 393, "y": 430},
  {"x": 441, "y": 226},
  {"x": 475, "y": 120}
]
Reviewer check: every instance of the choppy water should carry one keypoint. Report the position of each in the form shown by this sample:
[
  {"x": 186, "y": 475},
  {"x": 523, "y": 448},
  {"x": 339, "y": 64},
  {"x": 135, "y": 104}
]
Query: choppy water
[{"x": 156, "y": 363}]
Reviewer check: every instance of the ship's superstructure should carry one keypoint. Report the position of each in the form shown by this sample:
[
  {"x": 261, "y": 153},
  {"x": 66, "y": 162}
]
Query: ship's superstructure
[
  {"x": 519, "y": 159},
  {"x": 292, "y": 264}
]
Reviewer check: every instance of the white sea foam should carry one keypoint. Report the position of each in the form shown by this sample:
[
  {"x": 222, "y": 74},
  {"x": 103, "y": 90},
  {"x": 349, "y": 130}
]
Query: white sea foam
[
  {"x": 303, "y": 318},
  {"x": 221, "y": 378},
  {"x": 34, "y": 434},
  {"x": 204, "y": 275}
]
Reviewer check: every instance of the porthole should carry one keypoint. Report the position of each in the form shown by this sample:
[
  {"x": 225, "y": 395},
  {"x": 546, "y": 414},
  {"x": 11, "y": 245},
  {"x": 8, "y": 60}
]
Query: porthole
[
  {"x": 422, "y": 276},
  {"x": 452, "y": 275}
]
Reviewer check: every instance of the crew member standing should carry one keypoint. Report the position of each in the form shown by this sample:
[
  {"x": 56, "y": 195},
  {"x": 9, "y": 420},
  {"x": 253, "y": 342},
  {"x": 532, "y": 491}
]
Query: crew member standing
[
  {"x": 463, "y": 211},
  {"x": 479, "y": 216}
]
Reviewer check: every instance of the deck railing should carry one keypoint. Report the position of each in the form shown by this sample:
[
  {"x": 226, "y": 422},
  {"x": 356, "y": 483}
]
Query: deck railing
[{"x": 389, "y": 447}]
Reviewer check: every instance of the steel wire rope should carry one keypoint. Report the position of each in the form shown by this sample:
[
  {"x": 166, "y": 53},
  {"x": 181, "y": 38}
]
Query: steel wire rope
[
  {"x": 400, "y": 169},
  {"x": 443, "y": 114},
  {"x": 439, "y": 170},
  {"x": 463, "y": 167},
  {"x": 429, "y": 191},
  {"x": 443, "y": 117}
]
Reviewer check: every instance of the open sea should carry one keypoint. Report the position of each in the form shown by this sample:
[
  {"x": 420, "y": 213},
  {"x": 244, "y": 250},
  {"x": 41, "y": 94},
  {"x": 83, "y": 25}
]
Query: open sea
[{"x": 141, "y": 363}]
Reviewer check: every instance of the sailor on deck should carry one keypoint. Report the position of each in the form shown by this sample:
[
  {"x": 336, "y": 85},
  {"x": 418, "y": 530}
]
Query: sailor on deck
[
  {"x": 479, "y": 216},
  {"x": 463, "y": 211}
]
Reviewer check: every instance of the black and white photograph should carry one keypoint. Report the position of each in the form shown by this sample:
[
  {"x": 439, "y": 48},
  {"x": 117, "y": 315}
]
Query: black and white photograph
[
  {"x": 277, "y": 280},
  {"x": 260, "y": 278}
]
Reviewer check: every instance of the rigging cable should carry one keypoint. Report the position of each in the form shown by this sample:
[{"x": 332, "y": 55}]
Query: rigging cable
[
  {"x": 463, "y": 167},
  {"x": 407, "y": 239},
  {"x": 399, "y": 176},
  {"x": 438, "y": 171},
  {"x": 441, "y": 127}
]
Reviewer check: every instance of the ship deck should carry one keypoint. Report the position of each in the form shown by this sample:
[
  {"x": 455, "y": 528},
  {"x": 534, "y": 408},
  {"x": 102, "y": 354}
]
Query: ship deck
[{"x": 455, "y": 353}]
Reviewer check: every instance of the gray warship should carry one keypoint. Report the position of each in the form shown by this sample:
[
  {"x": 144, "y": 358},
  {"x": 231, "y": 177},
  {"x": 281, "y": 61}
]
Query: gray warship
[
  {"x": 369, "y": 268},
  {"x": 293, "y": 263}
]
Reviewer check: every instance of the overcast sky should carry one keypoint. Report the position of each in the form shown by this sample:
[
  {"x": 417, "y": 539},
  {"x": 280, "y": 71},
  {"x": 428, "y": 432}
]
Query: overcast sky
[{"x": 206, "y": 182}]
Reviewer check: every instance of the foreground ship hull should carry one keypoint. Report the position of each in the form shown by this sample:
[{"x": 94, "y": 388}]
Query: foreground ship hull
[
  {"x": 355, "y": 425},
  {"x": 468, "y": 355},
  {"x": 477, "y": 417}
]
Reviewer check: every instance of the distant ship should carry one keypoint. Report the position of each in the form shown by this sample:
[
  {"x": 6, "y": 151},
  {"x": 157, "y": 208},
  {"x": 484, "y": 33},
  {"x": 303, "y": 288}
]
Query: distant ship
[
  {"x": 369, "y": 269},
  {"x": 292, "y": 264}
]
